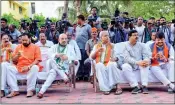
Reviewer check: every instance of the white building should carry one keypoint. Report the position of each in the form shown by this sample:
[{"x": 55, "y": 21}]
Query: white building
[{"x": 47, "y": 8}]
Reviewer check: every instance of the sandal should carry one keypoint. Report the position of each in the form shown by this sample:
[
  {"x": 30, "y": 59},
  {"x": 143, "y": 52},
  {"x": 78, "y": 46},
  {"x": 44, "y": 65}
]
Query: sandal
[
  {"x": 12, "y": 94},
  {"x": 106, "y": 93},
  {"x": 118, "y": 91},
  {"x": 2, "y": 93}
]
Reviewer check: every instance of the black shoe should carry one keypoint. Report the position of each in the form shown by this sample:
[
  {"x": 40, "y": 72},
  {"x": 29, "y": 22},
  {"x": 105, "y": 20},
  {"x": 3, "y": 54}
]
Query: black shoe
[
  {"x": 136, "y": 90},
  {"x": 145, "y": 90},
  {"x": 86, "y": 79}
]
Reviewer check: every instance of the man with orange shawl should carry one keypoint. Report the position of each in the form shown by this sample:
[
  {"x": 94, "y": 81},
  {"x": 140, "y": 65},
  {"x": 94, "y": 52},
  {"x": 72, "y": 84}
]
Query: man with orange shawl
[
  {"x": 107, "y": 73},
  {"x": 6, "y": 50},
  {"x": 163, "y": 58}
]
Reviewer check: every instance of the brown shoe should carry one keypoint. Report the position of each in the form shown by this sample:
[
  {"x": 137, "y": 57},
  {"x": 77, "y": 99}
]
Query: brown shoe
[
  {"x": 29, "y": 94},
  {"x": 12, "y": 94},
  {"x": 40, "y": 95},
  {"x": 2, "y": 93}
]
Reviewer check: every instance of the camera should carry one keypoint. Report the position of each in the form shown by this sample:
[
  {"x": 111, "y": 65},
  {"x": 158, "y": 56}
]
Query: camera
[
  {"x": 47, "y": 23},
  {"x": 116, "y": 21},
  {"x": 62, "y": 25},
  {"x": 24, "y": 24},
  {"x": 129, "y": 20},
  {"x": 104, "y": 25}
]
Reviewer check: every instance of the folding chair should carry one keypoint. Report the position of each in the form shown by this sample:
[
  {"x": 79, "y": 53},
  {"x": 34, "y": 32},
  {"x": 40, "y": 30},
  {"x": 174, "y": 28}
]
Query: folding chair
[{"x": 95, "y": 81}]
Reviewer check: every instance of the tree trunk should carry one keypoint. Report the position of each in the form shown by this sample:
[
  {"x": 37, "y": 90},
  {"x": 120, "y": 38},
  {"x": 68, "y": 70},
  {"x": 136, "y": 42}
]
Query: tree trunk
[
  {"x": 77, "y": 6},
  {"x": 66, "y": 2}
]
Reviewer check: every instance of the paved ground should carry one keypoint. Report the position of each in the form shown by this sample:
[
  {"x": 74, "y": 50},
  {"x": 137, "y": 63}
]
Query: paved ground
[{"x": 84, "y": 93}]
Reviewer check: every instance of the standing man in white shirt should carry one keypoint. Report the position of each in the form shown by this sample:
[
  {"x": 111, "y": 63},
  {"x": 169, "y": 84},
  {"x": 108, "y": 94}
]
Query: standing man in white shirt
[
  {"x": 140, "y": 28},
  {"x": 73, "y": 43}
]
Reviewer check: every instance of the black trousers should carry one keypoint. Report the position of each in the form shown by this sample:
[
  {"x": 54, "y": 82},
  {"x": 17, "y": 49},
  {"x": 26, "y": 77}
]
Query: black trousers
[{"x": 82, "y": 71}]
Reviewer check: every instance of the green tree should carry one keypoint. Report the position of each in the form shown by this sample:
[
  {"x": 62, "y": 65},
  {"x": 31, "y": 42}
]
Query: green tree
[
  {"x": 39, "y": 17},
  {"x": 11, "y": 20}
]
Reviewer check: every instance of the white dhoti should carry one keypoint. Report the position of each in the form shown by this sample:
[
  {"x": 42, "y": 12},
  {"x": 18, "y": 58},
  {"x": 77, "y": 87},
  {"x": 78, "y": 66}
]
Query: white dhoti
[
  {"x": 31, "y": 77},
  {"x": 157, "y": 71},
  {"x": 107, "y": 76},
  {"x": 4, "y": 67},
  {"x": 52, "y": 75},
  {"x": 130, "y": 76}
]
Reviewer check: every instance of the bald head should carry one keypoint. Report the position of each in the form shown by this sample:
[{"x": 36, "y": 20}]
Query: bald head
[
  {"x": 63, "y": 39},
  {"x": 104, "y": 35}
]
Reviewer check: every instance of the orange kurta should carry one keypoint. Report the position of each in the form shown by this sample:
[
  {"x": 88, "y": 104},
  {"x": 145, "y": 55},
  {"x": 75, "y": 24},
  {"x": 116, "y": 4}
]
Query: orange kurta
[{"x": 28, "y": 56}]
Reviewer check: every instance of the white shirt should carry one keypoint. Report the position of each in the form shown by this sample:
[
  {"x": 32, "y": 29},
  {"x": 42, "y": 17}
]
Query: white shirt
[
  {"x": 172, "y": 32},
  {"x": 140, "y": 31},
  {"x": 44, "y": 48},
  {"x": 73, "y": 43},
  {"x": 133, "y": 54},
  {"x": 149, "y": 43}
]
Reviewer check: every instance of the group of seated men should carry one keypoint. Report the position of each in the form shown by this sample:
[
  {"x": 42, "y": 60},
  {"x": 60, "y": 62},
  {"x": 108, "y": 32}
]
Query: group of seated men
[{"x": 26, "y": 58}]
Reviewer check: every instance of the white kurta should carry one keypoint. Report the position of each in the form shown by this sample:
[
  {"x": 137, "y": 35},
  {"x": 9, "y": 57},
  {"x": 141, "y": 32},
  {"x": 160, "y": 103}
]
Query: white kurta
[
  {"x": 133, "y": 54},
  {"x": 73, "y": 43},
  {"x": 55, "y": 69},
  {"x": 4, "y": 65},
  {"x": 108, "y": 76},
  {"x": 169, "y": 66},
  {"x": 31, "y": 77},
  {"x": 44, "y": 52}
]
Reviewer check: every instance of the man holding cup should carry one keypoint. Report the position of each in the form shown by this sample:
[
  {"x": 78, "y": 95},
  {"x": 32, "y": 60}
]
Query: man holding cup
[
  {"x": 26, "y": 58},
  {"x": 107, "y": 71}
]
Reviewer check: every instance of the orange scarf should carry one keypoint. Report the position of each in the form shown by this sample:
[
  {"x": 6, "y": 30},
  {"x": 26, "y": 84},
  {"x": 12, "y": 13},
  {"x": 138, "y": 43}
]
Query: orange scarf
[
  {"x": 8, "y": 52},
  {"x": 107, "y": 54},
  {"x": 165, "y": 51}
]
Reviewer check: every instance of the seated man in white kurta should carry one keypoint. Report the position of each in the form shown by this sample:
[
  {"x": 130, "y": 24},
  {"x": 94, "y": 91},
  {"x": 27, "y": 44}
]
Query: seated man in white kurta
[
  {"x": 7, "y": 49},
  {"x": 136, "y": 58},
  {"x": 163, "y": 58},
  {"x": 153, "y": 38},
  {"x": 107, "y": 73},
  {"x": 73, "y": 43},
  {"x": 44, "y": 46},
  {"x": 61, "y": 55}
]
